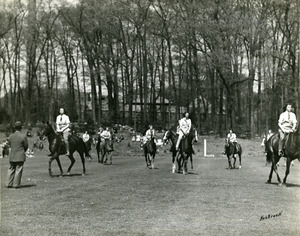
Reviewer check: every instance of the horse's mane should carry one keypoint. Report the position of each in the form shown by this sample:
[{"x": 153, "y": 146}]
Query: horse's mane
[{"x": 173, "y": 128}]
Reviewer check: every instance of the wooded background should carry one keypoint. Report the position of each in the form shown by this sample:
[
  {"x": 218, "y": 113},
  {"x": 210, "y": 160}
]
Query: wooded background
[{"x": 242, "y": 56}]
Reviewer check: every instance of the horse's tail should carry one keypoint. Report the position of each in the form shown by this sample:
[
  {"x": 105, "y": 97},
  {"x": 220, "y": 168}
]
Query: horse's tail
[
  {"x": 85, "y": 149},
  {"x": 270, "y": 149}
]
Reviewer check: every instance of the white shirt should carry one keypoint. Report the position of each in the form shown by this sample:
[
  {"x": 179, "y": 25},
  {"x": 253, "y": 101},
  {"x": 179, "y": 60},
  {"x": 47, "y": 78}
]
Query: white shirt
[
  {"x": 287, "y": 121},
  {"x": 231, "y": 137},
  {"x": 62, "y": 123},
  {"x": 106, "y": 134},
  {"x": 150, "y": 133},
  {"x": 85, "y": 137},
  {"x": 185, "y": 125}
]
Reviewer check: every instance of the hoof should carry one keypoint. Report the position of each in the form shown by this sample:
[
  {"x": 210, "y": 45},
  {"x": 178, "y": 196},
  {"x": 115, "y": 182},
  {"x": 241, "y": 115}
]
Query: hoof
[
  {"x": 68, "y": 173},
  {"x": 279, "y": 184},
  {"x": 83, "y": 175},
  {"x": 268, "y": 182},
  {"x": 240, "y": 167}
]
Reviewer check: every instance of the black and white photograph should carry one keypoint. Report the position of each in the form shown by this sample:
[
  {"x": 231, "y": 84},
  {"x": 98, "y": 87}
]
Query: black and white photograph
[{"x": 149, "y": 117}]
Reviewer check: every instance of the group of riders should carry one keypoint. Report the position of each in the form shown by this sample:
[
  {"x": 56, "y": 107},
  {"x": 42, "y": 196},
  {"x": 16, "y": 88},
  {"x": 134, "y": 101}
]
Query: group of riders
[
  {"x": 63, "y": 127},
  {"x": 287, "y": 124}
]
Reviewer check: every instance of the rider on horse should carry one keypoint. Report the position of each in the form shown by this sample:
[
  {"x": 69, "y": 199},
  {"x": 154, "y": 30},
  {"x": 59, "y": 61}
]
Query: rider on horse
[
  {"x": 287, "y": 124},
  {"x": 62, "y": 126},
  {"x": 150, "y": 133},
  {"x": 231, "y": 138},
  {"x": 107, "y": 136},
  {"x": 184, "y": 128}
]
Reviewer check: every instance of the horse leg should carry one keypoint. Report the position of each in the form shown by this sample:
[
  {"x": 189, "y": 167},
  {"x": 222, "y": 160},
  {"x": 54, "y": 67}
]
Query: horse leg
[
  {"x": 110, "y": 157},
  {"x": 191, "y": 157},
  {"x": 83, "y": 162},
  {"x": 152, "y": 161},
  {"x": 240, "y": 159},
  {"x": 184, "y": 164},
  {"x": 59, "y": 165},
  {"x": 229, "y": 161},
  {"x": 72, "y": 162},
  {"x": 276, "y": 171},
  {"x": 179, "y": 160},
  {"x": 98, "y": 155},
  {"x": 102, "y": 156},
  {"x": 234, "y": 158},
  {"x": 50, "y": 161},
  {"x": 148, "y": 160},
  {"x": 173, "y": 161},
  {"x": 287, "y": 171}
]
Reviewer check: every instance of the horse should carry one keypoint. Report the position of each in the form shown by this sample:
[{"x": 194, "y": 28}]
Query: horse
[
  {"x": 149, "y": 149},
  {"x": 173, "y": 136},
  {"x": 104, "y": 149},
  {"x": 38, "y": 144},
  {"x": 231, "y": 150},
  {"x": 291, "y": 152},
  {"x": 57, "y": 148}
]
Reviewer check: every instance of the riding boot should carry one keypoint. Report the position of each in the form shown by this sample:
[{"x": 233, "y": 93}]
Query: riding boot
[{"x": 67, "y": 148}]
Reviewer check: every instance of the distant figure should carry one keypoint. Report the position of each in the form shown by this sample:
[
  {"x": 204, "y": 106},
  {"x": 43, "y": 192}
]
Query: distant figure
[
  {"x": 86, "y": 137},
  {"x": 107, "y": 136},
  {"x": 5, "y": 149},
  {"x": 231, "y": 138},
  {"x": 150, "y": 133},
  {"x": 19, "y": 145},
  {"x": 270, "y": 133}
]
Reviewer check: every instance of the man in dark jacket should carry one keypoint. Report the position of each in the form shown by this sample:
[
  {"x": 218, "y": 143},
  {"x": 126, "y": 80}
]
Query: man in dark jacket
[{"x": 19, "y": 145}]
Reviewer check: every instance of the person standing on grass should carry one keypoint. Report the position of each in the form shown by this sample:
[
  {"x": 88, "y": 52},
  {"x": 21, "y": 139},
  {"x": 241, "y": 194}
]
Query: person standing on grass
[{"x": 19, "y": 145}]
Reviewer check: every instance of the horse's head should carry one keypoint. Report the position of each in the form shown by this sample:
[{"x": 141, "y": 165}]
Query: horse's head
[
  {"x": 46, "y": 131},
  {"x": 194, "y": 135},
  {"x": 166, "y": 136}
]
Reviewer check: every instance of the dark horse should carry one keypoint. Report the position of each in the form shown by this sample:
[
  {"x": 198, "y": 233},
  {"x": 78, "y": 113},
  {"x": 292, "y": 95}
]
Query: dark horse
[
  {"x": 57, "y": 148},
  {"x": 291, "y": 152},
  {"x": 185, "y": 148},
  {"x": 231, "y": 150},
  {"x": 104, "y": 149},
  {"x": 149, "y": 149}
]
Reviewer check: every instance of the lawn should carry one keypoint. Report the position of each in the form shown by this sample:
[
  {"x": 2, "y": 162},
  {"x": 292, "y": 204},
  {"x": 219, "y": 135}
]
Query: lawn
[{"x": 128, "y": 199}]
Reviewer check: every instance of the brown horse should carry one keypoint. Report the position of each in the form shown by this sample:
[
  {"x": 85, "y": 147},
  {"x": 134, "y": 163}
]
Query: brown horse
[
  {"x": 57, "y": 148},
  {"x": 149, "y": 149},
  {"x": 231, "y": 150},
  {"x": 291, "y": 152},
  {"x": 104, "y": 149}
]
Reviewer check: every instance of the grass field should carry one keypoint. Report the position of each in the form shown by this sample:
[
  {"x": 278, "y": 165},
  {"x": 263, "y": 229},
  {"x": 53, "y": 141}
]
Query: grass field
[{"x": 128, "y": 199}]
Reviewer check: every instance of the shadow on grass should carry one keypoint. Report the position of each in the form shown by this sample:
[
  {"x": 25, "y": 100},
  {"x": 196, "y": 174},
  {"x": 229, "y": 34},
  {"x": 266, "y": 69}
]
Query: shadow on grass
[
  {"x": 288, "y": 185},
  {"x": 66, "y": 175},
  {"x": 27, "y": 185},
  {"x": 188, "y": 173},
  {"x": 236, "y": 168}
]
